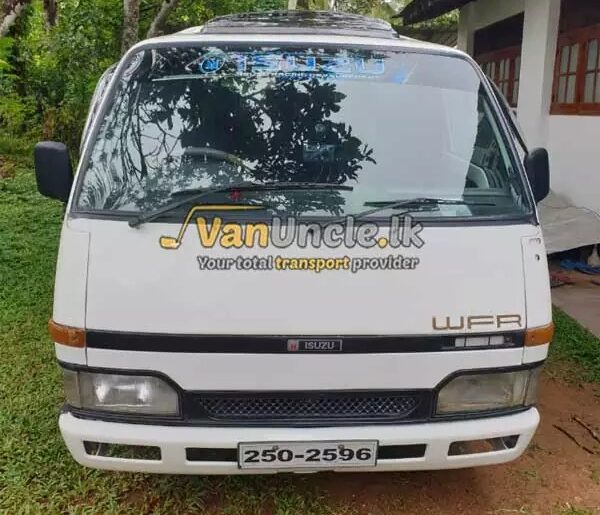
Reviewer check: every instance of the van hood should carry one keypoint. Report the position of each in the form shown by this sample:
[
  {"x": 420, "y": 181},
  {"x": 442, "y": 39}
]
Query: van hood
[{"x": 135, "y": 285}]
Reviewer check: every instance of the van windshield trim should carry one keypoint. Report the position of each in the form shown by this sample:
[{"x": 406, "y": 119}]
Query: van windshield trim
[{"x": 430, "y": 221}]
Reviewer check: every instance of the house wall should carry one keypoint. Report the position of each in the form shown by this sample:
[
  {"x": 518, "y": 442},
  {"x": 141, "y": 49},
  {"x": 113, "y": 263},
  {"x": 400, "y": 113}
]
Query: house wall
[
  {"x": 574, "y": 146},
  {"x": 572, "y": 141},
  {"x": 538, "y": 54}
]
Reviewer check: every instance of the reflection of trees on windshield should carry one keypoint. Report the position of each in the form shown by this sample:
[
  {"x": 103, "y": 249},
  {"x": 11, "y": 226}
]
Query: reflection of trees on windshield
[{"x": 280, "y": 126}]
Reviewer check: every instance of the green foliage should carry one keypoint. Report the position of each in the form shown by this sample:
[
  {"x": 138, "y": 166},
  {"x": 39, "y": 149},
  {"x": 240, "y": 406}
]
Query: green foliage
[
  {"x": 445, "y": 21},
  {"x": 48, "y": 75},
  {"x": 15, "y": 111},
  {"x": 60, "y": 66},
  {"x": 572, "y": 510},
  {"x": 189, "y": 13},
  {"x": 6, "y": 46},
  {"x": 374, "y": 8},
  {"x": 574, "y": 344},
  {"x": 448, "y": 21}
]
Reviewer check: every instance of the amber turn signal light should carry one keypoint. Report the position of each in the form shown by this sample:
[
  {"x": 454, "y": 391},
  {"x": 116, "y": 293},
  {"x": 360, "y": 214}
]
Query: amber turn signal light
[
  {"x": 539, "y": 335},
  {"x": 66, "y": 335}
]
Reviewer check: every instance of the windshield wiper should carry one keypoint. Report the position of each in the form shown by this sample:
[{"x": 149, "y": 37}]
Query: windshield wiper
[
  {"x": 217, "y": 155},
  {"x": 413, "y": 202},
  {"x": 193, "y": 195}
]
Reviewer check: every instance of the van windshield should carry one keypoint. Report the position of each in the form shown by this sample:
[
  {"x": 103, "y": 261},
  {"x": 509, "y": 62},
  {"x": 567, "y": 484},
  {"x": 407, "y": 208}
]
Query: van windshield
[{"x": 391, "y": 124}]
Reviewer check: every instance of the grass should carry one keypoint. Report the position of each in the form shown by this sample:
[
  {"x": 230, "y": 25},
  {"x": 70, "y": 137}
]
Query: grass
[
  {"x": 576, "y": 346},
  {"x": 37, "y": 475},
  {"x": 572, "y": 510}
]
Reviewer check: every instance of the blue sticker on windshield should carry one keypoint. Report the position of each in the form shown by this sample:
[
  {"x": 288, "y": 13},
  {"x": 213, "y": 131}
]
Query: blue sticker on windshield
[
  {"x": 295, "y": 64},
  {"x": 211, "y": 64}
]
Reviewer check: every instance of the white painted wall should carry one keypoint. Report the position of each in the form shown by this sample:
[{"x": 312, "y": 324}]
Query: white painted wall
[
  {"x": 573, "y": 141},
  {"x": 540, "y": 33},
  {"x": 574, "y": 144}
]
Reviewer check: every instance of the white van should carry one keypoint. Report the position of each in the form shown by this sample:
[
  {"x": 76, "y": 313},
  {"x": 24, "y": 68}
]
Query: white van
[{"x": 297, "y": 241}]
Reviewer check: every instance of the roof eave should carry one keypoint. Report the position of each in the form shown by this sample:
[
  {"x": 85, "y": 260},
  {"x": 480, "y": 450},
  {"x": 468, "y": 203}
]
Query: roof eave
[{"x": 423, "y": 10}]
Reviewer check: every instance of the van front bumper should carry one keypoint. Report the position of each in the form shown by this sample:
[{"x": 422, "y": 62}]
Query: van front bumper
[{"x": 174, "y": 440}]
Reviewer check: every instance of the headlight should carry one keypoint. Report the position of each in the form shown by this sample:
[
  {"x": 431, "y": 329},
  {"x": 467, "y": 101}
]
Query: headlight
[
  {"x": 488, "y": 392},
  {"x": 147, "y": 395}
]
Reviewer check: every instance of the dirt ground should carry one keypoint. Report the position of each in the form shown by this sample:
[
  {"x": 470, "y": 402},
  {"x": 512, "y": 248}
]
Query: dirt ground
[{"x": 555, "y": 476}]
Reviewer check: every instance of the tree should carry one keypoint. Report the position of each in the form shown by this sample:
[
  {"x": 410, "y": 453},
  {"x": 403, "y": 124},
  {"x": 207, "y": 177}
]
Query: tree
[
  {"x": 11, "y": 10},
  {"x": 50, "y": 13},
  {"x": 131, "y": 22},
  {"x": 157, "y": 24}
]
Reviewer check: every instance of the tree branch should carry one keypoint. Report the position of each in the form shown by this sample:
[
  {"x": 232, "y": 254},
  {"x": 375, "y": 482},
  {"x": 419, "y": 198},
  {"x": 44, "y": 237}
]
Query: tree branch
[
  {"x": 163, "y": 13},
  {"x": 11, "y": 11},
  {"x": 573, "y": 439},
  {"x": 131, "y": 22},
  {"x": 50, "y": 13}
]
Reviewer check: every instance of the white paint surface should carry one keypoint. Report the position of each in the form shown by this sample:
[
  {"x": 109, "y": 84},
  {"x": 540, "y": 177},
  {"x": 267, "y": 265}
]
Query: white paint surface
[
  {"x": 134, "y": 285},
  {"x": 173, "y": 442},
  {"x": 68, "y": 354},
  {"x": 71, "y": 277},
  {"x": 308, "y": 371}
]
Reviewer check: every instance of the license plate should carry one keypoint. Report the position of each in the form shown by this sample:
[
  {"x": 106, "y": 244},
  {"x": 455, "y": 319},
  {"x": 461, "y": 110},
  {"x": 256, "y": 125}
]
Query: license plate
[{"x": 314, "y": 455}]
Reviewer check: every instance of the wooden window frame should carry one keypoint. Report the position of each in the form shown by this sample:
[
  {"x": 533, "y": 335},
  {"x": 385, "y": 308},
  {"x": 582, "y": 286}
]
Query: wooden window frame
[
  {"x": 582, "y": 37},
  {"x": 512, "y": 54}
]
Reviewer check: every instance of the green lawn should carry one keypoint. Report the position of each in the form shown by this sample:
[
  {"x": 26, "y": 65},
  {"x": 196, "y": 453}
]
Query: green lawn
[{"x": 36, "y": 472}]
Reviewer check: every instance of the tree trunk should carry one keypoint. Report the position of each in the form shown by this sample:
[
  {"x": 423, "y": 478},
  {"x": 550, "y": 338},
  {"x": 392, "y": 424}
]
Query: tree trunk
[
  {"x": 131, "y": 22},
  {"x": 50, "y": 13},
  {"x": 11, "y": 10},
  {"x": 157, "y": 24}
]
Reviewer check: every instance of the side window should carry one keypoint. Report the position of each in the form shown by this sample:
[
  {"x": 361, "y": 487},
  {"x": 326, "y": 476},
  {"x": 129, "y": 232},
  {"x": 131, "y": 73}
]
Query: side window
[
  {"x": 96, "y": 100},
  {"x": 490, "y": 164},
  {"x": 513, "y": 123}
]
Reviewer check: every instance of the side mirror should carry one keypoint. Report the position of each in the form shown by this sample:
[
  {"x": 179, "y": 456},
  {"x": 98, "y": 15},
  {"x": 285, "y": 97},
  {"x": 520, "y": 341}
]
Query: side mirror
[
  {"x": 537, "y": 166},
  {"x": 53, "y": 170}
]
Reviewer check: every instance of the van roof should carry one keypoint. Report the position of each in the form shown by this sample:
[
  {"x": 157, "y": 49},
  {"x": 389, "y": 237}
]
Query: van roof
[
  {"x": 298, "y": 22},
  {"x": 300, "y": 27}
]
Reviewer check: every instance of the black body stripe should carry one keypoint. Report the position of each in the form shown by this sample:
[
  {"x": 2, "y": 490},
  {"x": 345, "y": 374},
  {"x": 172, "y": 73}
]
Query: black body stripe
[{"x": 253, "y": 344}]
